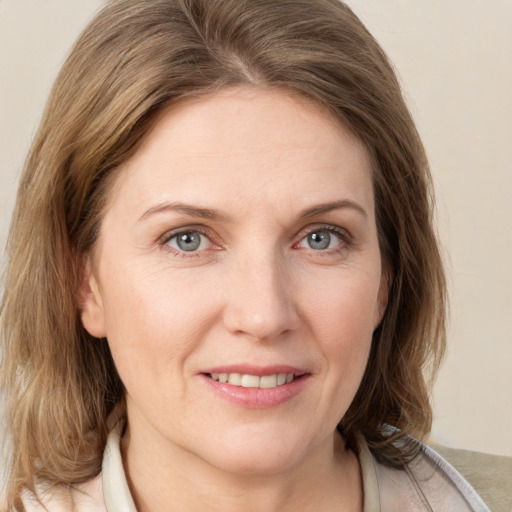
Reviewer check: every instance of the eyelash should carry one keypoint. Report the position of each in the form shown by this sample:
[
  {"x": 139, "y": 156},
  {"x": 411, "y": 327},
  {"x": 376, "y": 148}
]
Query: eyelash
[
  {"x": 165, "y": 239},
  {"x": 346, "y": 240}
]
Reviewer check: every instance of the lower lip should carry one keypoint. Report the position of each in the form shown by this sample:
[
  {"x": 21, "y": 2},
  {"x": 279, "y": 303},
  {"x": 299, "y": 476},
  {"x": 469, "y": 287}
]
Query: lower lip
[{"x": 257, "y": 398}]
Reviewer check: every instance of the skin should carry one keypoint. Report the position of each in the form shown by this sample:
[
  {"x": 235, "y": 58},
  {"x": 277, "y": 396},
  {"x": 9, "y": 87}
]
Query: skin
[{"x": 256, "y": 291}]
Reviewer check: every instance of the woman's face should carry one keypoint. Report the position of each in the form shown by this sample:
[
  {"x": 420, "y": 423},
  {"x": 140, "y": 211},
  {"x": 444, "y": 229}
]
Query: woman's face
[{"x": 239, "y": 244}]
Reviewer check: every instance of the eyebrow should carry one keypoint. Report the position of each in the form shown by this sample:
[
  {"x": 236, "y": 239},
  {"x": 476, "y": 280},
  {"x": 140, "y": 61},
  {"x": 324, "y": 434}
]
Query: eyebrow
[
  {"x": 335, "y": 205},
  {"x": 217, "y": 215},
  {"x": 187, "y": 209}
]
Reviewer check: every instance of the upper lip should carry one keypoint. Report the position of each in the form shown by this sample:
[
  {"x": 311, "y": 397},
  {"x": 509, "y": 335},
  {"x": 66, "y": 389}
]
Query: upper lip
[{"x": 260, "y": 371}]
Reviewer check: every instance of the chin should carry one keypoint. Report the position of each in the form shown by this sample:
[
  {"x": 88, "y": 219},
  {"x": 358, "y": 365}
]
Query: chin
[
  {"x": 260, "y": 462},
  {"x": 258, "y": 451}
]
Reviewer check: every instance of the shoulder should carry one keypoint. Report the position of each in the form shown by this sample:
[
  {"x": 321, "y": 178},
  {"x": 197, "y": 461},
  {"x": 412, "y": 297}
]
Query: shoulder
[
  {"x": 490, "y": 475},
  {"x": 459, "y": 481},
  {"x": 86, "y": 497}
]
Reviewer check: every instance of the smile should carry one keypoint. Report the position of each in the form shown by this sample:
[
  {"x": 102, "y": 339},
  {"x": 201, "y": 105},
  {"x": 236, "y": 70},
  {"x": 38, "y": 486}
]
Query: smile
[
  {"x": 253, "y": 381},
  {"x": 256, "y": 388}
]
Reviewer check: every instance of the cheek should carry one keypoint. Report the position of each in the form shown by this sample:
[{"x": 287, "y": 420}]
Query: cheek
[
  {"x": 343, "y": 308},
  {"x": 152, "y": 319},
  {"x": 341, "y": 316}
]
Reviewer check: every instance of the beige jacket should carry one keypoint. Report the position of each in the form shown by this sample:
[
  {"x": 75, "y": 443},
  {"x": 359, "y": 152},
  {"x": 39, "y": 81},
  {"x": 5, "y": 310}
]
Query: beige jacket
[{"x": 428, "y": 484}]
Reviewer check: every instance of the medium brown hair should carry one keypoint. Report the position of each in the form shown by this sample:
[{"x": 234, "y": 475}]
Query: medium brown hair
[{"x": 134, "y": 59}]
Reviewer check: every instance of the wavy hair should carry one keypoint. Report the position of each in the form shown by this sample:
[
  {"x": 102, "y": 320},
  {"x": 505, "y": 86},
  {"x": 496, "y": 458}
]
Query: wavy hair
[{"x": 134, "y": 59}]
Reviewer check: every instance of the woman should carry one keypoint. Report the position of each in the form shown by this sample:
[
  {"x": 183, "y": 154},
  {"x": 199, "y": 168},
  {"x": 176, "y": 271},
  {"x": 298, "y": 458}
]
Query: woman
[{"x": 224, "y": 289}]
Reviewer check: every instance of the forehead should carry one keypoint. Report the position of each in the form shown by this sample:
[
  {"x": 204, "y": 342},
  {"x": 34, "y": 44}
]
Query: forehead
[{"x": 272, "y": 142}]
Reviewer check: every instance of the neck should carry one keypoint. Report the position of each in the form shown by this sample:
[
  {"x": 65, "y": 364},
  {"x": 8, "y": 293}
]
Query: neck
[{"x": 174, "y": 479}]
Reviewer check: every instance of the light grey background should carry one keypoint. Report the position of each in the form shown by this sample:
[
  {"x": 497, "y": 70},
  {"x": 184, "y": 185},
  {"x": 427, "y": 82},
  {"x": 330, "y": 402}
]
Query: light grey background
[{"x": 454, "y": 58}]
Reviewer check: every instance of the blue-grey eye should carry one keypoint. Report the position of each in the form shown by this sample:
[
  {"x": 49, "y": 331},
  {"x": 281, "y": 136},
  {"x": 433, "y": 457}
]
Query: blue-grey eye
[
  {"x": 320, "y": 240},
  {"x": 189, "y": 241}
]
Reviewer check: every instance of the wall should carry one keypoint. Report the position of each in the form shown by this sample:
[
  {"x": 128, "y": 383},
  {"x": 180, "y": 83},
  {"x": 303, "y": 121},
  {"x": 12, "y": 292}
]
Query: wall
[{"x": 454, "y": 61}]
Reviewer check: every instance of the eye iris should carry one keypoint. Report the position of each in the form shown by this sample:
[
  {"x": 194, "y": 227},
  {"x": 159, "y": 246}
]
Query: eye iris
[
  {"x": 189, "y": 241},
  {"x": 319, "y": 240}
]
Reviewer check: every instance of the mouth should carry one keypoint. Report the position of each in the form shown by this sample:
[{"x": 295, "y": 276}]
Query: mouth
[
  {"x": 254, "y": 387},
  {"x": 246, "y": 380}
]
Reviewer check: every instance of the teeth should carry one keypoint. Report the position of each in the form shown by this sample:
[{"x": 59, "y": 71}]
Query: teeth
[
  {"x": 253, "y": 381},
  {"x": 250, "y": 381},
  {"x": 268, "y": 381},
  {"x": 235, "y": 379}
]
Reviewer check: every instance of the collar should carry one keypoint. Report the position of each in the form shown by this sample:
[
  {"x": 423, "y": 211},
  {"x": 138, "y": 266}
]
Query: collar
[
  {"x": 116, "y": 492},
  {"x": 117, "y": 495}
]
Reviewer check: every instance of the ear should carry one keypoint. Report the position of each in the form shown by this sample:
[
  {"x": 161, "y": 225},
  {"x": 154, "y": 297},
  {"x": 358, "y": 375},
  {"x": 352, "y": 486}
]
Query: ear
[
  {"x": 90, "y": 301},
  {"x": 386, "y": 279}
]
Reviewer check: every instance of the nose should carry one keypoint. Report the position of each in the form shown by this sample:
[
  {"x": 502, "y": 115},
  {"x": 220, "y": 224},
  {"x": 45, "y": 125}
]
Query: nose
[{"x": 260, "y": 299}]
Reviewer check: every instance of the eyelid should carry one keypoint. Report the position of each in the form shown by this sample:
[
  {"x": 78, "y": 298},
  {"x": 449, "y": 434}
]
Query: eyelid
[
  {"x": 164, "y": 240},
  {"x": 346, "y": 240},
  {"x": 341, "y": 232}
]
